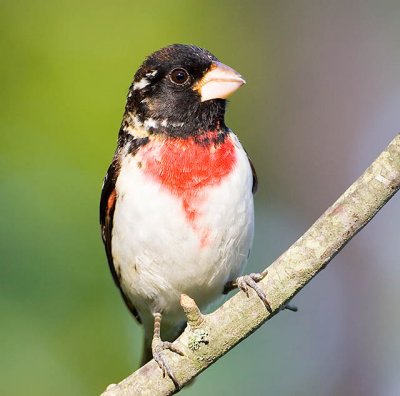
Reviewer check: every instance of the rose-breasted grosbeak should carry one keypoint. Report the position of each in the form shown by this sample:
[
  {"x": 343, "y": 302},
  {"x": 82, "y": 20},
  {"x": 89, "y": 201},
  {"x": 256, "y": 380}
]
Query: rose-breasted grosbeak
[{"x": 176, "y": 207}]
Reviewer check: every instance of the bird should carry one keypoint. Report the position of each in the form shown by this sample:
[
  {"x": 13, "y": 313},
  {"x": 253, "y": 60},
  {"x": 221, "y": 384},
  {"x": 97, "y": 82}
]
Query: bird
[{"x": 176, "y": 207}]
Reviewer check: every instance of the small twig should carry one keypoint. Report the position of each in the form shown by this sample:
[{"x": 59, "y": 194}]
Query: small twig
[
  {"x": 291, "y": 307},
  {"x": 194, "y": 317}
]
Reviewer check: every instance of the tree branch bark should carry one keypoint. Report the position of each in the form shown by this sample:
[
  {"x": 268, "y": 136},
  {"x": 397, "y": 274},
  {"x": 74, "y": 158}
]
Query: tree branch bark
[{"x": 209, "y": 337}]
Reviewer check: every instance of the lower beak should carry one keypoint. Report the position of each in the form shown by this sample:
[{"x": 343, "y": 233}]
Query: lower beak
[{"x": 219, "y": 82}]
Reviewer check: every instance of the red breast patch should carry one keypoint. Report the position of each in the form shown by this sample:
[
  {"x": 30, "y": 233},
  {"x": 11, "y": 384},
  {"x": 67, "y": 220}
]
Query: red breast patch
[{"x": 185, "y": 167}]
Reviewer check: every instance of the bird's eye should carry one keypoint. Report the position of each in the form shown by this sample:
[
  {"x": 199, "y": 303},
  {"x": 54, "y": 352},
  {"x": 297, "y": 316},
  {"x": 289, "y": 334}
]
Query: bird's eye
[{"x": 179, "y": 76}]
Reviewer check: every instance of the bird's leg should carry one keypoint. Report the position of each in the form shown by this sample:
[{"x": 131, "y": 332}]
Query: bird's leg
[
  {"x": 249, "y": 281},
  {"x": 157, "y": 346}
]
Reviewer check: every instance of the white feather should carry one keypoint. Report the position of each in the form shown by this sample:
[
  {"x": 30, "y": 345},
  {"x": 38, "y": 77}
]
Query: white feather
[
  {"x": 160, "y": 254},
  {"x": 144, "y": 82}
]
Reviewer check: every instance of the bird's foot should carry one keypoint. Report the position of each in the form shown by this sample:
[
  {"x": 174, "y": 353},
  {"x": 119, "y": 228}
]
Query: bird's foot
[
  {"x": 250, "y": 281},
  {"x": 158, "y": 346}
]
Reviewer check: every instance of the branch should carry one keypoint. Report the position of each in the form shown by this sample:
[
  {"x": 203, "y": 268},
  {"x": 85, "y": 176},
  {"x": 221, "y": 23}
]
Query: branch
[{"x": 209, "y": 337}]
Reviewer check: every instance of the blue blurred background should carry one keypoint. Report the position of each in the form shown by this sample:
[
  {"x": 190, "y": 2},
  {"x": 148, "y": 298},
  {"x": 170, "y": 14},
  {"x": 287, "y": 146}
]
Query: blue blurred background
[{"x": 321, "y": 101}]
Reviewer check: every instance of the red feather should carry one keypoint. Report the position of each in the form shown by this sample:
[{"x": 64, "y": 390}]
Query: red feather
[{"x": 185, "y": 166}]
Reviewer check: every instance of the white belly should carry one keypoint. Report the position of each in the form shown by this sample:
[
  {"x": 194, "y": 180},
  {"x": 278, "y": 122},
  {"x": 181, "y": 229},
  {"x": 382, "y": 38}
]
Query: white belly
[{"x": 160, "y": 254}]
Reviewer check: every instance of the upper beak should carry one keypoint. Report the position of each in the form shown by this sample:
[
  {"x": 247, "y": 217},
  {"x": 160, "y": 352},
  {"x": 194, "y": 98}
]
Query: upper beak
[{"x": 219, "y": 82}]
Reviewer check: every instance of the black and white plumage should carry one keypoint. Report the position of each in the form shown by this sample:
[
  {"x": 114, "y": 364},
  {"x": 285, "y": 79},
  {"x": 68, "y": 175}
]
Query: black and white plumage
[{"x": 176, "y": 208}]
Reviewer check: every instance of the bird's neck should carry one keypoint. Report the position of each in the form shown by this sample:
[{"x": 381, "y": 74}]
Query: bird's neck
[{"x": 201, "y": 117}]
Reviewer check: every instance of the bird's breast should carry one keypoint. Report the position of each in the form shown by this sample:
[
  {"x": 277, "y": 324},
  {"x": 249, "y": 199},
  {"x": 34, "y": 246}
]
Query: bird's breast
[
  {"x": 183, "y": 221},
  {"x": 185, "y": 167}
]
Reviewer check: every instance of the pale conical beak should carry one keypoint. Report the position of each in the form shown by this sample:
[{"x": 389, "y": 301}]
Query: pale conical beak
[{"x": 219, "y": 82}]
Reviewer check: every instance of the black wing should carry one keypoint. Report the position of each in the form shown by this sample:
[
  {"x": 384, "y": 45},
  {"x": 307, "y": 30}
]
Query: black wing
[
  {"x": 255, "y": 179},
  {"x": 107, "y": 207}
]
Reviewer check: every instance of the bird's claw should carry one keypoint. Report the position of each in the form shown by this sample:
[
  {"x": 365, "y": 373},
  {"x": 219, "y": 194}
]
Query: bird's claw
[
  {"x": 250, "y": 281},
  {"x": 157, "y": 348}
]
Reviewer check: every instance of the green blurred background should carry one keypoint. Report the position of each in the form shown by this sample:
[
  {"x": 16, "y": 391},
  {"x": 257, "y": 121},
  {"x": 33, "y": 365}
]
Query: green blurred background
[{"x": 322, "y": 100}]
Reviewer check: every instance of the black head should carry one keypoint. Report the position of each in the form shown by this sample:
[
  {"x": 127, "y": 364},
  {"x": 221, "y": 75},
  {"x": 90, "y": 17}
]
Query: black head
[{"x": 180, "y": 90}]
